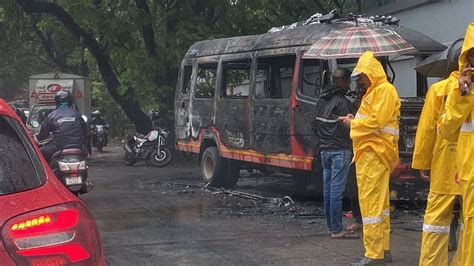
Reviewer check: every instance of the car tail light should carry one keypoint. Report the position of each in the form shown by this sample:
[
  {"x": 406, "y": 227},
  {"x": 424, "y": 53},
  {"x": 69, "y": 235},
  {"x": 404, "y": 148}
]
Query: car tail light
[{"x": 59, "y": 235}]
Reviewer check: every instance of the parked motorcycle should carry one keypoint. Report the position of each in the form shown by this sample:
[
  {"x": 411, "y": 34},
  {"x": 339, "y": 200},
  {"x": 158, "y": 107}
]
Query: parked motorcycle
[
  {"x": 151, "y": 148},
  {"x": 99, "y": 136}
]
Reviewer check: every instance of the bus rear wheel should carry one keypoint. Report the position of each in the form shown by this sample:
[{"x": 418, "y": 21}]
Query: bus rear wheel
[{"x": 218, "y": 171}]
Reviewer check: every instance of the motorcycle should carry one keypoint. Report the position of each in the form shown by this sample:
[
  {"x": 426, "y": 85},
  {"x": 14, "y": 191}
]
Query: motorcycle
[
  {"x": 69, "y": 165},
  {"x": 151, "y": 148},
  {"x": 99, "y": 136}
]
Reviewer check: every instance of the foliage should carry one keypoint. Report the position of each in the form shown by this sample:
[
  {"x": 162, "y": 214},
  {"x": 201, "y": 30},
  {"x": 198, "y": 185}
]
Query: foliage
[{"x": 143, "y": 40}]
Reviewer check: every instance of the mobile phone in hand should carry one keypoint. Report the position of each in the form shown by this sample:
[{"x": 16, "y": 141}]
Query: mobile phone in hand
[{"x": 465, "y": 89}]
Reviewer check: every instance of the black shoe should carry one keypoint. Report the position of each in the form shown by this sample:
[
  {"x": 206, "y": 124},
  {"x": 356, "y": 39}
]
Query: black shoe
[
  {"x": 387, "y": 256},
  {"x": 369, "y": 261}
]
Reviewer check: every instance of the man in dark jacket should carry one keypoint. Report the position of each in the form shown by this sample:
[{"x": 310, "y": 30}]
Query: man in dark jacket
[
  {"x": 65, "y": 125},
  {"x": 335, "y": 148}
]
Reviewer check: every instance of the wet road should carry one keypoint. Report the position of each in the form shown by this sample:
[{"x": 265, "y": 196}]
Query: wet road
[{"x": 163, "y": 216}]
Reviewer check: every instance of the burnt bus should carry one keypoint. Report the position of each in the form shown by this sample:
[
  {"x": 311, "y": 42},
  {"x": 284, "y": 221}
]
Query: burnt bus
[{"x": 248, "y": 102}]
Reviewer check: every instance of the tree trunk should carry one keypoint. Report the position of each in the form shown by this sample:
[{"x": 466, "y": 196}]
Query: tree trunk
[{"x": 127, "y": 102}]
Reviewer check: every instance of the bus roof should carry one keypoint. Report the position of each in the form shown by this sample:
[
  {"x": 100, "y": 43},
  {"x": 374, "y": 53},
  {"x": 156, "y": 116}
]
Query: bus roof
[{"x": 301, "y": 36}]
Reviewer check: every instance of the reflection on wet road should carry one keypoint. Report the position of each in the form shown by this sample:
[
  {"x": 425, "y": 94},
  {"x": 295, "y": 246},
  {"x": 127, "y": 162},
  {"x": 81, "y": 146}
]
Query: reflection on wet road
[{"x": 164, "y": 216}]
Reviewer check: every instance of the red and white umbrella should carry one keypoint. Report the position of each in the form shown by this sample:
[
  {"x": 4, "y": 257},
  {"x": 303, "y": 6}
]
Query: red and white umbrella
[{"x": 354, "y": 41}]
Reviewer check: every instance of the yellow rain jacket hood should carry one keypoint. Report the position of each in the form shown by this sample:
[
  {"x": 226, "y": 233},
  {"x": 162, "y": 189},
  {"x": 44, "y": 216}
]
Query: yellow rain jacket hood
[
  {"x": 376, "y": 124},
  {"x": 466, "y": 46},
  {"x": 432, "y": 151}
]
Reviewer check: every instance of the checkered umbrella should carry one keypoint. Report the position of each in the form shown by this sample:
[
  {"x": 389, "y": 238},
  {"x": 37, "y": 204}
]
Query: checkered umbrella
[{"x": 354, "y": 41}]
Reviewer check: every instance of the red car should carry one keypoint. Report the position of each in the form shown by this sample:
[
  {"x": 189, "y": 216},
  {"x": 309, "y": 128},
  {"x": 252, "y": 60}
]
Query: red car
[{"x": 41, "y": 222}]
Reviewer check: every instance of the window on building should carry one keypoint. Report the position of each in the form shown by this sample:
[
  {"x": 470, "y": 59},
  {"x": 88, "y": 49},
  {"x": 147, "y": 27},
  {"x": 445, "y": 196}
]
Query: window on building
[{"x": 206, "y": 81}]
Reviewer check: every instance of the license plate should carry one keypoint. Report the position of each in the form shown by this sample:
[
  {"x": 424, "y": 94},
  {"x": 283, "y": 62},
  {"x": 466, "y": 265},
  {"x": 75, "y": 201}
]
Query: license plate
[{"x": 73, "y": 180}]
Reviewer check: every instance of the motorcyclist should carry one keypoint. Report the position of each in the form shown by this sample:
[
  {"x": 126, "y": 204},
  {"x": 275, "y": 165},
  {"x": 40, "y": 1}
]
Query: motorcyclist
[
  {"x": 65, "y": 125},
  {"x": 154, "y": 116},
  {"x": 98, "y": 119}
]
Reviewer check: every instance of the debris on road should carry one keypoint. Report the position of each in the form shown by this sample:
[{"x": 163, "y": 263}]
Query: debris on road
[{"x": 285, "y": 201}]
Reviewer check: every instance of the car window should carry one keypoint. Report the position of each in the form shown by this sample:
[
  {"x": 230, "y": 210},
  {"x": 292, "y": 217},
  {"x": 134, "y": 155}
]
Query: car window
[
  {"x": 39, "y": 114},
  {"x": 20, "y": 167}
]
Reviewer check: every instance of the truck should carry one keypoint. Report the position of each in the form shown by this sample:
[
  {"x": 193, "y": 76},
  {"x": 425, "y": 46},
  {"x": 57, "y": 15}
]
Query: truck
[{"x": 43, "y": 88}]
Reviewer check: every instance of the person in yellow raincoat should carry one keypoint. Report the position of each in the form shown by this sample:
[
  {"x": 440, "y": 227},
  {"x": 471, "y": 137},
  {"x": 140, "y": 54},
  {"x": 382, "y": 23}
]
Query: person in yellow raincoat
[
  {"x": 374, "y": 132},
  {"x": 457, "y": 124},
  {"x": 434, "y": 153}
]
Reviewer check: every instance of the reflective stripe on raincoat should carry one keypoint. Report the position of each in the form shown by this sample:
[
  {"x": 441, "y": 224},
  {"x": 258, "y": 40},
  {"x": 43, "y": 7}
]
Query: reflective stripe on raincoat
[
  {"x": 376, "y": 123},
  {"x": 432, "y": 151}
]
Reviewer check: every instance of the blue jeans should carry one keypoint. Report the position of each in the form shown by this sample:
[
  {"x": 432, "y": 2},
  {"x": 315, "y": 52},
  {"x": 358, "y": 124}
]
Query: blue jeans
[{"x": 335, "y": 169}]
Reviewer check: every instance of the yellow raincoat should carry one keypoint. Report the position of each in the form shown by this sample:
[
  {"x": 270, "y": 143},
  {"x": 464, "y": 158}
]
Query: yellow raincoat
[
  {"x": 375, "y": 133},
  {"x": 432, "y": 152},
  {"x": 457, "y": 124}
]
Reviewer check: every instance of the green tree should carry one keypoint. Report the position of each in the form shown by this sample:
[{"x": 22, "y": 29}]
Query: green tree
[{"x": 133, "y": 48}]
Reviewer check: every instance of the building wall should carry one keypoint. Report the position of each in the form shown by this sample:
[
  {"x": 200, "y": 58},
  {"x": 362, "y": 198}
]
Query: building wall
[
  {"x": 405, "y": 79},
  {"x": 443, "y": 20}
]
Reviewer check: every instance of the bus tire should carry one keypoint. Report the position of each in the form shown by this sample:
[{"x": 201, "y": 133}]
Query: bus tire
[
  {"x": 308, "y": 185},
  {"x": 232, "y": 173},
  {"x": 213, "y": 167}
]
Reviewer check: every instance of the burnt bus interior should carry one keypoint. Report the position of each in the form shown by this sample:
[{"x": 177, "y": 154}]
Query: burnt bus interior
[{"x": 243, "y": 87}]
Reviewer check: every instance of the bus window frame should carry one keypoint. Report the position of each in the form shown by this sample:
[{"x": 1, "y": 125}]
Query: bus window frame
[
  {"x": 187, "y": 63},
  {"x": 221, "y": 74},
  {"x": 259, "y": 56},
  {"x": 216, "y": 90},
  {"x": 299, "y": 92}
]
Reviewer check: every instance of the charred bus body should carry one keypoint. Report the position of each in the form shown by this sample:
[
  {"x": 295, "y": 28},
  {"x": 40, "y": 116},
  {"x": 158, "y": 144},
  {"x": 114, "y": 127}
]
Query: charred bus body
[{"x": 248, "y": 102}]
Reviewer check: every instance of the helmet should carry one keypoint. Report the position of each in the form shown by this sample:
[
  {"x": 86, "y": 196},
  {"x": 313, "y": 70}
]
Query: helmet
[
  {"x": 63, "y": 96},
  {"x": 96, "y": 113},
  {"x": 453, "y": 55},
  {"x": 154, "y": 114}
]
